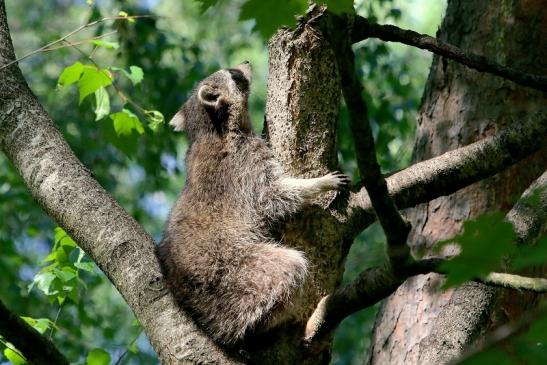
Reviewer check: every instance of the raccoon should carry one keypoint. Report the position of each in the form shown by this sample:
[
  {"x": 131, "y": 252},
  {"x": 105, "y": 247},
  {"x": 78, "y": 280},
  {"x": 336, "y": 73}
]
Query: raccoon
[{"x": 218, "y": 257}]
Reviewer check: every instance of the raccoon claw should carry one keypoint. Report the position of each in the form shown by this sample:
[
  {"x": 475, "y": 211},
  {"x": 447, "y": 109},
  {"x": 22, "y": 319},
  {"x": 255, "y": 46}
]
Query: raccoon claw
[{"x": 338, "y": 180}]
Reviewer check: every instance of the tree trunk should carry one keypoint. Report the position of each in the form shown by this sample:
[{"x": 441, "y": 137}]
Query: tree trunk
[
  {"x": 300, "y": 125},
  {"x": 419, "y": 324}
]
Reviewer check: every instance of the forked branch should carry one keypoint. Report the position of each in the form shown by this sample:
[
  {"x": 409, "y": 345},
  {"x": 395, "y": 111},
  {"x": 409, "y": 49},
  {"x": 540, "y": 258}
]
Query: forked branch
[{"x": 375, "y": 284}]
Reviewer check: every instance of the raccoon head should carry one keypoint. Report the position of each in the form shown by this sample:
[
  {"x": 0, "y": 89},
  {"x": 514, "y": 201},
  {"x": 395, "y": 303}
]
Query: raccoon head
[{"x": 218, "y": 104}]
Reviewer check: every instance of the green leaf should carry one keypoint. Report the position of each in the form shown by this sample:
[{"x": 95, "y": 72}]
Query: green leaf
[
  {"x": 133, "y": 348},
  {"x": 71, "y": 74},
  {"x": 338, "y": 6},
  {"x": 44, "y": 281},
  {"x": 39, "y": 324},
  {"x": 74, "y": 294},
  {"x": 530, "y": 255},
  {"x": 125, "y": 15},
  {"x": 136, "y": 74},
  {"x": 102, "y": 108},
  {"x": 155, "y": 118},
  {"x": 127, "y": 144},
  {"x": 62, "y": 238},
  {"x": 86, "y": 266},
  {"x": 125, "y": 122},
  {"x": 13, "y": 356},
  {"x": 98, "y": 357},
  {"x": 206, "y": 4},
  {"x": 270, "y": 15},
  {"x": 483, "y": 243},
  {"x": 91, "y": 80},
  {"x": 105, "y": 44},
  {"x": 66, "y": 274}
]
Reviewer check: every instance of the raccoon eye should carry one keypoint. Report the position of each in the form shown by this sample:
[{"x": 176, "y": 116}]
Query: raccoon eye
[{"x": 240, "y": 80}]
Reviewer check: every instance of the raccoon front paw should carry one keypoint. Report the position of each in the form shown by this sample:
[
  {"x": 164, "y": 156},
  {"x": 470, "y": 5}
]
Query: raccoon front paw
[{"x": 336, "y": 181}]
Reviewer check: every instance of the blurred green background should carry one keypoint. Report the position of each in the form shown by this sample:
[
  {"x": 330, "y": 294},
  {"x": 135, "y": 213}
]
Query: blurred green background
[{"x": 175, "y": 49}]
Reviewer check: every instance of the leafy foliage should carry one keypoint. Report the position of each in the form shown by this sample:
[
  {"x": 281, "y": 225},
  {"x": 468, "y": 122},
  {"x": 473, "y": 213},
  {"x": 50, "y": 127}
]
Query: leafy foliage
[
  {"x": 484, "y": 241},
  {"x": 60, "y": 279},
  {"x": 527, "y": 255},
  {"x": 269, "y": 16},
  {"x": 98, "y": 357}
]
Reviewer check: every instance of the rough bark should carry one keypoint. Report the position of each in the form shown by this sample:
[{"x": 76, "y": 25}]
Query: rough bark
[
  {"x": 419, "y": 324},
  {"x": 302, "y": 133},
  {"x": 103, "y": 229}
]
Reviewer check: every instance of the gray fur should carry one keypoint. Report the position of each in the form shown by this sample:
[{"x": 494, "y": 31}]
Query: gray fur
[{"x": 217, "y": 254}]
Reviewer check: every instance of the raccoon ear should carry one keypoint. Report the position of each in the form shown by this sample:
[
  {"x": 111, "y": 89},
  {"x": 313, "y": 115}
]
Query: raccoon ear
[
  {"x": 178, "y": 122},
  {"x": 208, "y": 96}
]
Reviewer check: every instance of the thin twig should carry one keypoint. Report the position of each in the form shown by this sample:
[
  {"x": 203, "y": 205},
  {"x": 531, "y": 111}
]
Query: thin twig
[
  {"x": 123, "y": 96},
  {"x": 363, "y": 29},
  {"x": 83, "y": 41},
  {"x": 127, "y": 348},
  {"x": 12, "y": 348},
  {"x": 65, "y": 37},
  {"x": 55, "y": 321}
]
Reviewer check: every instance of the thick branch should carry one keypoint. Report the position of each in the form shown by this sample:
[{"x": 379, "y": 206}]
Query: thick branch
[
  {"x": 363, "y": 29},
  {"x": 453, "y": 170},
  {"x": 375, "y": 284},
  {"x": 37, "y": 349},
  {"x": 394, "y": 226},
  {"x": 112, "y": 238}
]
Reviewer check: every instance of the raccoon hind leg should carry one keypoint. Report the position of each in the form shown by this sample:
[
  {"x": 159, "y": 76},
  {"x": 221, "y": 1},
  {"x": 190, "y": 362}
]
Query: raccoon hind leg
[{"x": 265, "y": 282}]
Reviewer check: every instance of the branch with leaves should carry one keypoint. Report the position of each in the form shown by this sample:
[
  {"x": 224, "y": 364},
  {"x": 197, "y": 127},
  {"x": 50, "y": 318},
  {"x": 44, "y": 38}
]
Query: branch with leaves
[
  {"x": 375, "y": 284},
  {"x": 51, "y": 46},
  {"x": 363, "y": 29},
  {"x": 113, "y": 239},
  {"x": 28, "y": 343}
]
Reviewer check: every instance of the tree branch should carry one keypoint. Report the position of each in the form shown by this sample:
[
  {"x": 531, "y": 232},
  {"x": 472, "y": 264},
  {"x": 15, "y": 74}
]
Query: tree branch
[
  {"x": 394, "y": 226},
  {"x": 502, "y": 334},
  {"x": 37, "y": 349},
  {"x": 375, "y": 284},
  {"x": 363, "y": 29},
  {"x": 453, "y": 170},
  {"x": 113, "y": 239}
]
